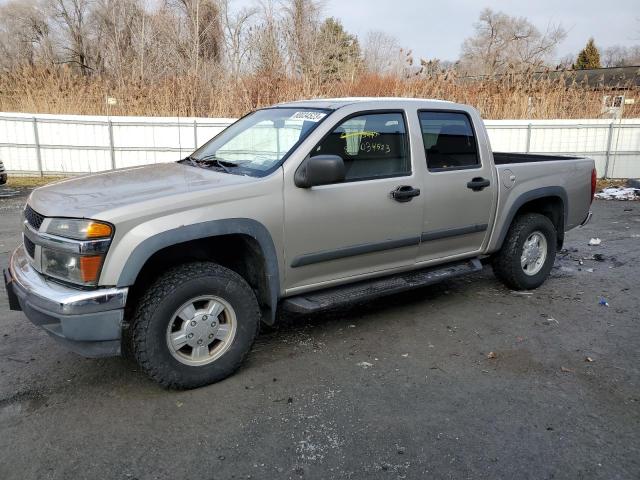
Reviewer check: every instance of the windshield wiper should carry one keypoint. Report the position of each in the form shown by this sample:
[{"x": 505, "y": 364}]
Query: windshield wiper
[
  {"x": 189, "y": 159},
  {"x": 212, "y": 158}
]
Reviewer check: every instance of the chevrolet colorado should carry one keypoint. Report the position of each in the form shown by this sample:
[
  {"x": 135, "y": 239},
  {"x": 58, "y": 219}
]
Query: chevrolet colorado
[{"x": 301, "y": 207}]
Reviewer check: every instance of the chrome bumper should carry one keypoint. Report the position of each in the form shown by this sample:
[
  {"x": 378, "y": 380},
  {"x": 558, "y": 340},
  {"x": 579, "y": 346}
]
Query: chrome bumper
[{"x": 87, "y": 321}]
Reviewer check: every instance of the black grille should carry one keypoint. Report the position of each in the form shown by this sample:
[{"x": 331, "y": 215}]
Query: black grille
[
  {"x": 33, "y": 217},
  {"x": 30, "y": 247}
]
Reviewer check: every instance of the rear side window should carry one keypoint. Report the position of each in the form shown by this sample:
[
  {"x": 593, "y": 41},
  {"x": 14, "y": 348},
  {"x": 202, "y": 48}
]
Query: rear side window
[
  {"x": 449, "y": 142},
  {"x": 372, "y": 146}
]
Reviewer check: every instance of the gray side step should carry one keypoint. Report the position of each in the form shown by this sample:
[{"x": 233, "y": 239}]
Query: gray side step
[{"x": 369, "y": 289}]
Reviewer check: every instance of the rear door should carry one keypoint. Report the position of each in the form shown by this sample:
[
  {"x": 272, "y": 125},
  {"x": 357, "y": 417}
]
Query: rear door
[
  {"x": 339, "y": 232},
  {"x": 459, "y": 185}
]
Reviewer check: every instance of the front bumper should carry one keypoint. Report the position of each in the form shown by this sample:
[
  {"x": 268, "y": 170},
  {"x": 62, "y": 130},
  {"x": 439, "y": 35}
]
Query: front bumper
[{"x": 88, "y": 322}]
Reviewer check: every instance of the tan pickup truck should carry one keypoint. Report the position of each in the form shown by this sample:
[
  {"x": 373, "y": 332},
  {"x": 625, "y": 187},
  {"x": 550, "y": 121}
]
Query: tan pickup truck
[{"x": 301, "y": 206}]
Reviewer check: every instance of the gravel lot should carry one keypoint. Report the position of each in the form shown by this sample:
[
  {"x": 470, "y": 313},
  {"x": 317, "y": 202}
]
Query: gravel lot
[{"x": 402, "y": 388}]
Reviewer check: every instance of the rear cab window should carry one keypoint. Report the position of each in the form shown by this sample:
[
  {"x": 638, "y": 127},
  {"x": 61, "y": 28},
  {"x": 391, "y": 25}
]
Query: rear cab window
[
  {"x": 449, "y": 141},
  {"x": 373, "y": 145}
]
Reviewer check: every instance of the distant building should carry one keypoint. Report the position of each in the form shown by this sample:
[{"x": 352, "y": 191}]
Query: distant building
[
  {"x": 610, "y": 78},
  {"x": 616, "y": 78}
]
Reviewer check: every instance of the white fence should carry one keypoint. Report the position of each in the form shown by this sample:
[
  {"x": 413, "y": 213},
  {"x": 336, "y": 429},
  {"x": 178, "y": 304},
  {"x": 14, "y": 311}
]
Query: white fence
[
  {"x": 614, "y": 145},
  {"x": 69, "y": 144}
]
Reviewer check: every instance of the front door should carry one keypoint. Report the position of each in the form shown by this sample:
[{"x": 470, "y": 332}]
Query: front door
[
  {"x": 355, "y": 228},
  {"x": 459, "y": 186}
]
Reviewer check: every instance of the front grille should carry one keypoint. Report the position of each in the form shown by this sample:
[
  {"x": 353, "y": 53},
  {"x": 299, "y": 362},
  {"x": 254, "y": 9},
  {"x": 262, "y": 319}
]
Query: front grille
[
  {"x": 30, "y": 247},
  {"x": 33, "y": 218}
]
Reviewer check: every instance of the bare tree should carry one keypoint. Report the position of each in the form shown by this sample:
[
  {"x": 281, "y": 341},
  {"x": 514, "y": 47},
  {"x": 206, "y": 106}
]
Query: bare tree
[
  {"x": 196, "y": 31},
  {"x": 302, "y": 22},
  {"x": 381, "y": 53},
  {"x": 238, "y": 27},
  {"x": 117, "y": 24},
  {"x": 566, "y": 62},
  {"x": 266, "y": 43},
  {"x": 621, "y": 56},
  {"x": 24, "y": 34},
  {"x": 71, "y": 17},
  {"x": 504, "y": 43}
]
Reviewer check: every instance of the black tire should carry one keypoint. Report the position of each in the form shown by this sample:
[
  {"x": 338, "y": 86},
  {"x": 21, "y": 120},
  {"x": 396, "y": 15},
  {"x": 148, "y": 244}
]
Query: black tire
[
  {"x": 506, "y": 262},
  {"x": 156, "y": 307}
]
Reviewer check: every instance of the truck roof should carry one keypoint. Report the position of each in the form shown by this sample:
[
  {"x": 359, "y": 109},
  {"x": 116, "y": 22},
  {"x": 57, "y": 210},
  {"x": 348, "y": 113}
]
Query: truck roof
[{"x": 374, "y": 102}]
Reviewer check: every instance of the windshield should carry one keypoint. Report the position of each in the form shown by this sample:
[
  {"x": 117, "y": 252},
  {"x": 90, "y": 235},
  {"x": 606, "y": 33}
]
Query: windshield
[{"x": 256, "y": 144}]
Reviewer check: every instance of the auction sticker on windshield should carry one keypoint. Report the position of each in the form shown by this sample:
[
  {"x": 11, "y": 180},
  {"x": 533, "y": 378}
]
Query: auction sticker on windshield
[{"x": 308, "y": 116}]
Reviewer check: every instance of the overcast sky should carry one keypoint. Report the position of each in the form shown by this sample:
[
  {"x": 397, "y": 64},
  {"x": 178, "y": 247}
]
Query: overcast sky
[{"x": 437, "y": 28}]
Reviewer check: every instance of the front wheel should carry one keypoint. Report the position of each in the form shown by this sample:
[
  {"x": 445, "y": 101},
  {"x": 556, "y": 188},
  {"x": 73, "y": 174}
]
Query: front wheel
[
  {"x": 194, "y": 325},
  {"x": 528, "y": 252}
]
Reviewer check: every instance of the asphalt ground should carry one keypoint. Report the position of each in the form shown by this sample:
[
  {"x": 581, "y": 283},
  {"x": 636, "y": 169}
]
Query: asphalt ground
[{"x": 464, "y": 379}]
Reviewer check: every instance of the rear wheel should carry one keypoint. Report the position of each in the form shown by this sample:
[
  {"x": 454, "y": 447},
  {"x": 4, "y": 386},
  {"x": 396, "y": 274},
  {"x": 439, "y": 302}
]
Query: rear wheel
[
  {"x": 194, "y": 325},
  {"x": 528, "y": 252}
]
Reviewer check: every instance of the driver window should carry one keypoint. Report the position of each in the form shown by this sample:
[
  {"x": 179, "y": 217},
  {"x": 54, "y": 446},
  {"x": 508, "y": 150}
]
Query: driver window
[{"x": 371, "y": 145}]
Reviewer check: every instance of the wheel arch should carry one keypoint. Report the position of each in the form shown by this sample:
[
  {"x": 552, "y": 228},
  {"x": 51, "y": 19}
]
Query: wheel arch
[
  {"x": 549, "y": 201},
  {"x": 242, "y": 245}
]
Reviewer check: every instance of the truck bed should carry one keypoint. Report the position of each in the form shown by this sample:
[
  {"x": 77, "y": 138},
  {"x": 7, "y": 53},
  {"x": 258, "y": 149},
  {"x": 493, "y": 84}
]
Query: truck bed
[
  {"x": 506, "y": 158},
  {"x": 523, "y": 176}
]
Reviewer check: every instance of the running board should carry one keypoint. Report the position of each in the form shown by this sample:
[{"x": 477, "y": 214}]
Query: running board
[{"x": 377, "y": 287}]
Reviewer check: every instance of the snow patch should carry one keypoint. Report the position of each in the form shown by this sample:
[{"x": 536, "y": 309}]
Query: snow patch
[{"x": 619, "y": 193}]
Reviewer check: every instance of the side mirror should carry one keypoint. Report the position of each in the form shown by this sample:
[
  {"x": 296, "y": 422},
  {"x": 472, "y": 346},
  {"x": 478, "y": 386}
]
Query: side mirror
[{"x": 320, "y": 170}]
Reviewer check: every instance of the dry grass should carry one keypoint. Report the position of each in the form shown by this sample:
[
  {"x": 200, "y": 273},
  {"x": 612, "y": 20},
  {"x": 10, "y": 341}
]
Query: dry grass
[
  {"x": 39, "y": 90},
  {"x": 31, "y": 182},
  {"x": 610, "y": 182}
]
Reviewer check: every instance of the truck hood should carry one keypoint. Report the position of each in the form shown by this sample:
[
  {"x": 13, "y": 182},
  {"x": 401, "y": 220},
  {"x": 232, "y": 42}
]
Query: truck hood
[{"x": 94, "y": 196}]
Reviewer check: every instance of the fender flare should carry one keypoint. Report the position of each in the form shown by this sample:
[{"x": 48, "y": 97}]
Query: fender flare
[
  {"x": 526, "y": 197},
  {"x": 245, "y": 226}
]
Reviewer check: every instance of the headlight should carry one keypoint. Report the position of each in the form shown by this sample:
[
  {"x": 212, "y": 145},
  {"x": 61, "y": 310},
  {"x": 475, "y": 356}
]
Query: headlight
[
  {"x": 78, "y": 229},
  {"x": 80, "y": 269},
  {"x": 73, "y": 249}
]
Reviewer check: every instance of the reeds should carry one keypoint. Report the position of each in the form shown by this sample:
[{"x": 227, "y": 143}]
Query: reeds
[{"x": 513, "y": 96}]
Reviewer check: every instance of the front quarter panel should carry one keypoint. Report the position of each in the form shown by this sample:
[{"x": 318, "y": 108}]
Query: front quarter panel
[{"x": 254, "y": 208}]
